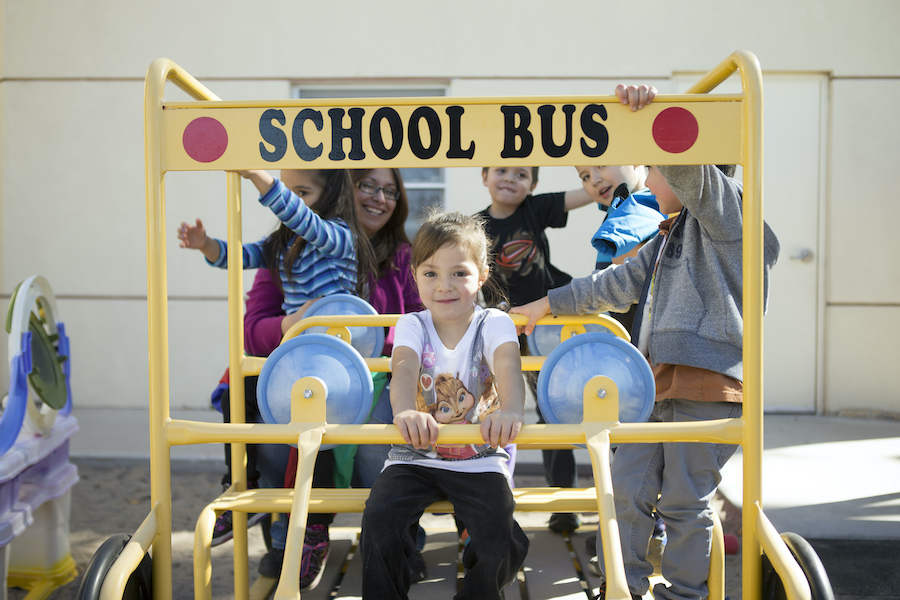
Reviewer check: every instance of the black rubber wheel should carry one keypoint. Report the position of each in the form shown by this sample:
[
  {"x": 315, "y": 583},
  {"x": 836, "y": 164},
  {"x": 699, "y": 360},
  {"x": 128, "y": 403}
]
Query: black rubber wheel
[
  {"x": 139, "y": 584},
  {"x": 810, "y": 563}
]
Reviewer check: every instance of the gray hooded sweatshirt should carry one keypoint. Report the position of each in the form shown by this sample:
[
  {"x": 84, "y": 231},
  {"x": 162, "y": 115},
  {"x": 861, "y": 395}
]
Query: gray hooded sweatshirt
[{"x": 695, "y": 316}]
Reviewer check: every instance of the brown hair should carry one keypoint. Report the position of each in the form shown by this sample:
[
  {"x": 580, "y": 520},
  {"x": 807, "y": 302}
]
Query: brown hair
[
  {"x": 385, "y": 242},
  {"x": 455, "y": 229}
]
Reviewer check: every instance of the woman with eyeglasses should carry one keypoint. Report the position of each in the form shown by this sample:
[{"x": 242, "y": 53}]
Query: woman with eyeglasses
[{"x": 382, "y": 208}]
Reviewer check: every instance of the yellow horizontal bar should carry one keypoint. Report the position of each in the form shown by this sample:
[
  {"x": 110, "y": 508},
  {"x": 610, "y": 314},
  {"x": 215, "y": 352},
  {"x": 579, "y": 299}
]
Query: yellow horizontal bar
[
  {"x": 438, "y": 101},
  {"x": 252, "y": 365},
  {"x": 390, "y": 320},
  {"x": 326, "y": 500},
  {"x": 727, "y": 431},
  {"x": 450, "y": 132}
]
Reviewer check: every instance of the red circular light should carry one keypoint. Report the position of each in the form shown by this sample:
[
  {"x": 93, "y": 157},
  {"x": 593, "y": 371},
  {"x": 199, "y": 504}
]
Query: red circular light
[
  {"x": 675, "y": 130},
  {"x": 205, "y": 139}
]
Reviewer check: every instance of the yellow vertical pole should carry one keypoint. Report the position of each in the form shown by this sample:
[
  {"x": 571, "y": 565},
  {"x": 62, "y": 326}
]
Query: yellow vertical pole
[
  {"x": 751, "y": 80},
  {"x": 160, "y": 71},
  {"x": 158, "y": 334},
  {"x": 236, "y": 388},
  {"x": 752, "y": 161}
]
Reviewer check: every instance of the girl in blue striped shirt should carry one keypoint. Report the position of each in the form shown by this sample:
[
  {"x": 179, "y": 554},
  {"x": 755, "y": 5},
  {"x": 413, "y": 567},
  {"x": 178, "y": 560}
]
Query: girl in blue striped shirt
[{"x": 319, "y": 249}]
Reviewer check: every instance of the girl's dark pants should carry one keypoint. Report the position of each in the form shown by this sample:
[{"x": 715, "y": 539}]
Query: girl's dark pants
[{"x": 483, "y": 501}]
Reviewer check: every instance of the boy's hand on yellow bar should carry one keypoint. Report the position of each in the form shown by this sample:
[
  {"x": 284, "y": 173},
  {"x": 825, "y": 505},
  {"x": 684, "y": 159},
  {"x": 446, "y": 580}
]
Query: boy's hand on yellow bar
[
  {"x": 636, "y": 96},
  {"x": 534, "y": 311}
]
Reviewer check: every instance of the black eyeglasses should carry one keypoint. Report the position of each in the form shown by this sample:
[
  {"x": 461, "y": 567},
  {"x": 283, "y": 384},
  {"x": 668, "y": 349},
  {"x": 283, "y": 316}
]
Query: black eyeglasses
[{"x": 372, "y": 189}]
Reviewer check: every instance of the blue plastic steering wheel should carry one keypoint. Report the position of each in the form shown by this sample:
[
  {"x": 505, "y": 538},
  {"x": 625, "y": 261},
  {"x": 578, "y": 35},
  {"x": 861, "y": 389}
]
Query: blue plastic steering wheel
[
  {"x": 574, "y": 362},
  {"x": 339, "y": 365},
  {"x": 368, "y": 341}
]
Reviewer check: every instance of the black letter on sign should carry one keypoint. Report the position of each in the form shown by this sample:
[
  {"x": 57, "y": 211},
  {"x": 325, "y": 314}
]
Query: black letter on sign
[
  {"x": 455, "y": 113},
  {"x": 338, "y": 133},
  {"x": 302, "y": 148},
  {"x": 550, "y": 147},
  {"x": 272, "y": 135},
  {"x": 434, "y": 131},
  {"x": 594, "y": 130},
  {"x": 377, "y": 140},
  {"x": 511, "y": 132}
]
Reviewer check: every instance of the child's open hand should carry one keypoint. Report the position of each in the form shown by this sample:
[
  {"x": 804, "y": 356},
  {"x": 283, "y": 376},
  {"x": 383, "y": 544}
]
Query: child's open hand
[
  {"x": 501, "y": 427},
  {"x": 534, "y": 311},
  {"x": 262, "y": 180},
  {"x": 192, "y": 236},
  {"x": 637, "y": 96},
  {"x": 417, "y": 428}
]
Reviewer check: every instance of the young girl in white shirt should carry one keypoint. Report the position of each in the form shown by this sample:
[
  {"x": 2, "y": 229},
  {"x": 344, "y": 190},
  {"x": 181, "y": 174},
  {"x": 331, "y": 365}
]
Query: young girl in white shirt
[{"x": 452, "y": 363}]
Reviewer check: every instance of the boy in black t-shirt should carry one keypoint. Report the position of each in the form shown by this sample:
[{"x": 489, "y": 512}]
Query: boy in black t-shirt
[{"x": 515, "y": 222}]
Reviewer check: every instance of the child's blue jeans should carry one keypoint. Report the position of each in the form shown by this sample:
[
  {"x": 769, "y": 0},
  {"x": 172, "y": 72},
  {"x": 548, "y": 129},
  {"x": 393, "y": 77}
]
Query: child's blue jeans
[
  {"x": 483, "y": 501},
  {"x": 679, "y": 480}
]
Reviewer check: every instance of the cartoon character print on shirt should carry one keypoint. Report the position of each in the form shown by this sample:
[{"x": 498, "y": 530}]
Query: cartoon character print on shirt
[
  {"x": 455, "y": 399},
  {"x": 454, "y": 403}
]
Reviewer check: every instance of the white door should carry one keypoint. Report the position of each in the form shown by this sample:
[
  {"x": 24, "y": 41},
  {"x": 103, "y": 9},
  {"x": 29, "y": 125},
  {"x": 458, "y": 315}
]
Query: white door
[{"x": 794, "y": 137}]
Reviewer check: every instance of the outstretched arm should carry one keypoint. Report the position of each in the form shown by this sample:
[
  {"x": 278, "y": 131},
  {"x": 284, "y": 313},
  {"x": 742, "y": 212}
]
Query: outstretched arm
[
  {"x": 194, "y": 236},
  {"x": 502, "y": 426},
  {"x": 577, "y": 198},
  {"x": 417, "y": 428}
]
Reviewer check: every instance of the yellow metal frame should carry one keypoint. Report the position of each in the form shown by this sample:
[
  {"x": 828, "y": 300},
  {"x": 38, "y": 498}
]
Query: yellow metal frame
[{"x": 733, "y": 124}]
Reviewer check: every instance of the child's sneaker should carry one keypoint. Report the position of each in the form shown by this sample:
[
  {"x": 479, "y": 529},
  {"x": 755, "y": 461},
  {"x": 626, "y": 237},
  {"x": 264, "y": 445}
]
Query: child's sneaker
[
  {"x": 594, "y": 566},
  {"x": 657, "y": 545},
  {"x": 315, "y": 555},
  {"x": 270, "y": 564},
  {"x": 562, "y": 522},
  {"x": 223, "y": 530},
  {"x": 659, "y": 527},
  {"x": 601, "y": 593},
  {"x": 418, "y": 570}
]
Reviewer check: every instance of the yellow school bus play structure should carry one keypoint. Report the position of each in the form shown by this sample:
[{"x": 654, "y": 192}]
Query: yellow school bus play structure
[{"x": 212, "y": 134}]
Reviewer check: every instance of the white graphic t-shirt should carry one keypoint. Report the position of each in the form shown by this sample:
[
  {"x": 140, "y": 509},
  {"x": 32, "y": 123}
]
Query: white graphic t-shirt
[{"x": 455, "y": 386}]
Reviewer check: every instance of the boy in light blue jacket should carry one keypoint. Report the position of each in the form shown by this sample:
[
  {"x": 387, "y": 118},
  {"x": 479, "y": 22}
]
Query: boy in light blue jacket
[{"x": 632, "y": 216}]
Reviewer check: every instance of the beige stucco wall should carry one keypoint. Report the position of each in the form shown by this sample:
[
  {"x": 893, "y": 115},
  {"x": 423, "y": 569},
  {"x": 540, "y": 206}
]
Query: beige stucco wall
[{"x": 71, "y": 145}]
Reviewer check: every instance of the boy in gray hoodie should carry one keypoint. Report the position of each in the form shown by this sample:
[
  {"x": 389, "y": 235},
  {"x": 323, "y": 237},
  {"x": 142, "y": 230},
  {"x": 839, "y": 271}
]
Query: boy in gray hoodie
[{"x": 691, "y": 276}]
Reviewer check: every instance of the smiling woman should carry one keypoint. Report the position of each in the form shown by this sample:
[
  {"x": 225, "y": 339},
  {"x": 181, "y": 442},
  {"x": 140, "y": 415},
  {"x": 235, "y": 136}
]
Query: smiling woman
[{"x": 377, "y": 193}]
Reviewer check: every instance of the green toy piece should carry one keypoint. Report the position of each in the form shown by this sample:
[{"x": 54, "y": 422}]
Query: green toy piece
[{"x": 46, "y": 377}]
